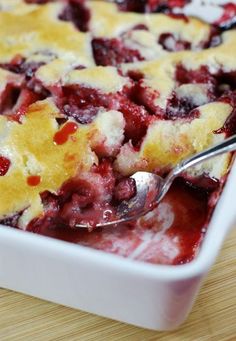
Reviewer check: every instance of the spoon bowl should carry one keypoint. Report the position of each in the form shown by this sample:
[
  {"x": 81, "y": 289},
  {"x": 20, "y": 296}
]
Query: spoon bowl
[{"x": 151, "y": 188}]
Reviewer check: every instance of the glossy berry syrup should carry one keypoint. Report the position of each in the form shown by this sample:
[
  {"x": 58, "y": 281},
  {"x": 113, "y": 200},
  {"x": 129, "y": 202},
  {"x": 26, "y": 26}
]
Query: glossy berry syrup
[
  {"x": 66, "y": 131},
  {"x": 33, "y": 180},
  {"x": 170, "y": 235}
]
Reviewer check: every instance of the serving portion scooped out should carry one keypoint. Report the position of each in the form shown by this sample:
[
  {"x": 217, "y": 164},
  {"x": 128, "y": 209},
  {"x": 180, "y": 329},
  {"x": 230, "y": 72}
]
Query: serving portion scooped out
[
  {"x": 91, "y": 100},
  {"x": 151, "y": 188}
]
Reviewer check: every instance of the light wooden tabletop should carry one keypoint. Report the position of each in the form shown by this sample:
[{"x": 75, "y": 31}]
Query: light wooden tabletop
[{"x": 213, "y": 317}]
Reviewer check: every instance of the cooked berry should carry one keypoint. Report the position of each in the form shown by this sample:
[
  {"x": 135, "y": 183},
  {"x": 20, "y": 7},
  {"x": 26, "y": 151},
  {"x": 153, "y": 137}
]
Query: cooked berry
[
  {"x": 76, "y": 12},
  {"x": 170, "y": 43},
  {"x": 38, "y": 2},
  {"x": 201, "y": 75},
  {"x": 228, "y": 19},
  {"x": 178, "y": 108},
  {"x": 136, "y": 120},
  {"x": 145, "y": 96},
  {"x": 113, "y": 51},
  {"x": 229, "y": 127},
  {"x": 106, "y": 171},
  {"x": 143, "y": 6},
  {"x": 133, "y": 5},
  {"x": 4, "y": 165},
  {"x": 82, "y": 103},
  {"x": 125, "y": 189},
  {"x": 21, "y": 66}
]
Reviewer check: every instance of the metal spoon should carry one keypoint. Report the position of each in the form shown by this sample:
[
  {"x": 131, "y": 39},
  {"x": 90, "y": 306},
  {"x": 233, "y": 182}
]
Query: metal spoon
[{"x": 151, "y": 188}]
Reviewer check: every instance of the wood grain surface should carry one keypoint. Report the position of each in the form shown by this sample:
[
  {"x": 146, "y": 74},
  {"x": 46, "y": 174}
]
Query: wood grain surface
[{"x": 213, "y": 317}]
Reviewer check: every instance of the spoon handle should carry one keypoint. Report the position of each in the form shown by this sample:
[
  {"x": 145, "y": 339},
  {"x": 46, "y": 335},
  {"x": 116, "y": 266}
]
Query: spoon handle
[{"x": 225, "y": 146}]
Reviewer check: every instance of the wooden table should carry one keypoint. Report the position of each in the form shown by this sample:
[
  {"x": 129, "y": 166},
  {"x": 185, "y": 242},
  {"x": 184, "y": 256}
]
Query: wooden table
[{"x": 213, "y": 317}]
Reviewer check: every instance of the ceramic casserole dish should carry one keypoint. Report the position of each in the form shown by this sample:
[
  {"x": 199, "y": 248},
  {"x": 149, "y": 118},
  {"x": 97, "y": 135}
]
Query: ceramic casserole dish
[{"x": 83, "y": 90}]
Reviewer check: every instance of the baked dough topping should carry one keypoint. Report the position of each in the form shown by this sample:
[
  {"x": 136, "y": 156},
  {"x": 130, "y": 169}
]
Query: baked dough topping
[
  {"x": 31, "y": 150},
  {"x": 38, "y": 35}
]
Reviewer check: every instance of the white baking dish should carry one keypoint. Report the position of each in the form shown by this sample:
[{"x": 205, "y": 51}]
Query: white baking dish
[
  {"x": 151, "y": 296},
  {"x": 147, "y": 295}
]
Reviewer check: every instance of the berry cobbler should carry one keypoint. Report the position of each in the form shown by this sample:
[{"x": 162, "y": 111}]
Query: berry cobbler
[{"x": 94, "y": 91}]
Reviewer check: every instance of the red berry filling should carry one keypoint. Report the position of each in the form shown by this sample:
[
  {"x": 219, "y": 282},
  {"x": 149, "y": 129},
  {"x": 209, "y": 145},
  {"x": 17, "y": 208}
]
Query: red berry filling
[
  {"x": 179, "y": 16},
  {"x": 81, "y": 200},
  {"x": 76, "y": 12},
  {"x": 229, "y": 127},
  {"x": 38, "y": 2},
  {"x": 225, "y": 81},
  {"x": 221, "y": 86},
  {"x": 105, "y": 170},
  {"x": 203, "y": 182},
  {"x": 140, "y": 6},
  {"x": 135, "y": 75},
  {"x": 137, "y": 102},
  {"x": 228, "y": 18},
  {"x": 189, "y": 234},
  {"x": 16, "y": 99},
  {"x": 8, "y": 99},
  {"x": 178, "y": 108},
  {"x": 202, "y": 75},
  {"x": 20, "y": 66},
  {"x": 125, "y": 189},
  {"x": 143, "y": 6},
  {"x": 217, "y": 83},
  {"x": 82, "y": 103},
  {"x": 82, "y": 116},
  {"x": 63, "y": 135},
  {"x": 113, "y": 52},
  {"x": 170, "y": 43},
  {"x": 145, "y": 96},
  {"x": 185, "y": 229},
  {"x": 137, "y": 120},
  {"x": 86, "y": 200},
  {"x": 25, "y": 99},
  {"x": 4, "y": 165},
  {"x": 178, "y": 3}
]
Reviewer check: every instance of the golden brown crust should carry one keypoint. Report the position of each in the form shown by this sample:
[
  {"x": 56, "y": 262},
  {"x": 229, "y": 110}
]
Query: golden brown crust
[
  {"x": 39, "y": 35},
  {"x": 31, "y": 150},
  {"x": 105, "y": 79}
]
